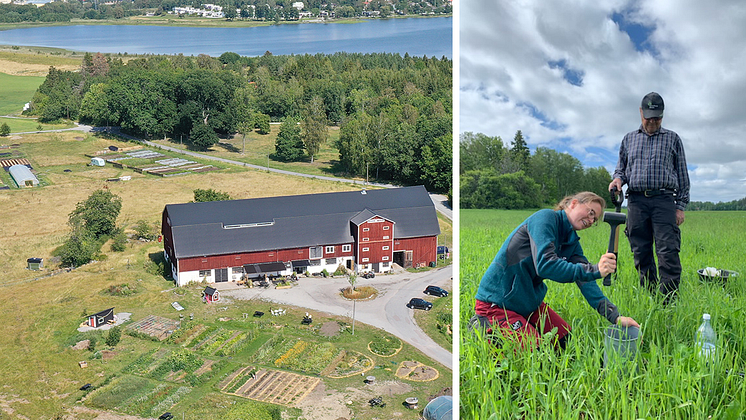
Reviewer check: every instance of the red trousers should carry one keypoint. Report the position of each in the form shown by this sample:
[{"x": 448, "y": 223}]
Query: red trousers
[{"x": 526, "y": 330}]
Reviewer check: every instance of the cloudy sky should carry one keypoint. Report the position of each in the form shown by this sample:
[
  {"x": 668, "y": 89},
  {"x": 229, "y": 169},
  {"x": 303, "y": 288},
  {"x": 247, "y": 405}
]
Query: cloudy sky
[{"x": 571, "y": 75}]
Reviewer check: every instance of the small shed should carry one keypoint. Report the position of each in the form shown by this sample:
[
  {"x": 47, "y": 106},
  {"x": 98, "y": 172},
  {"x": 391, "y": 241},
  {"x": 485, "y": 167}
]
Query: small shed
[
  {"x": 22, "y": 176},
  {"x": 210, "y": 295},
  {"x": 440, "y": 408},
  {"x": 35, "y": 263},
  {"x": 97, "y": 161},
  {"x": 102, "y": 318}
]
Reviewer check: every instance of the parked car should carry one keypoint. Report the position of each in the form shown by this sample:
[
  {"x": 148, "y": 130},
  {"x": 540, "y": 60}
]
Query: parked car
[
  {"x": 417, "y": 303},
  {"x": 369, "y": 275},
  {"x": 435, "y": 291}
]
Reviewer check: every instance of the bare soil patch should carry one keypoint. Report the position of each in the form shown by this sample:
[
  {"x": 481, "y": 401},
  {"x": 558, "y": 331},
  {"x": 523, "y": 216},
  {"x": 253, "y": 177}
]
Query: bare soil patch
[
  {"x": 277, "y": 387},
  {"x": 329, "y": 329},
  {"x": 416, "y": 371}
]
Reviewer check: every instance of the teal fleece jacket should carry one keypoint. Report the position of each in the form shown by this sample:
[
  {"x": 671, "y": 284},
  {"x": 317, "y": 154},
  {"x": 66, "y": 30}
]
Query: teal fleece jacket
[{"x": 544, "y": 246}]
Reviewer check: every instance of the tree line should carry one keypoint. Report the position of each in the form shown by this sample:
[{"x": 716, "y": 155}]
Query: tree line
[
  {"x": 260, "y": 10},
  {"x": 394, "y": 112},
  {"x": 735, "y": 205},
  {"x": 493, "y": 175}
]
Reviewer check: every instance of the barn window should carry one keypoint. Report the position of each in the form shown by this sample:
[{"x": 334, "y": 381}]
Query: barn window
[
  {"x": 205, "y": 273},
  {"x": 386, "y": 227},
  {"x": 315, "y": 262},
  {"x": 330, "y": 261},
  {"x": 237, "y": 270},
  {"x": 385, "y": 248},
  {"x": 366, "y": 249},
  {"x": 316, "y": 252},
  {"x": 385, "y": 265},
  {"x": 366, "y": 229},
  {"x": 386, "y": 237},
  {"x": 366, "y": 259},
  {"x": 385, "y": 258},
  {"x": 329, "y": 250},
  {"x": 346, "y": 248},
  {"x": 366, "y": 239}
]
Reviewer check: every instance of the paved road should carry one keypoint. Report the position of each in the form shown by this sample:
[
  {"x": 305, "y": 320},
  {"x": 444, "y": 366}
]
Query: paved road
[{"x": 387, "y": 311}]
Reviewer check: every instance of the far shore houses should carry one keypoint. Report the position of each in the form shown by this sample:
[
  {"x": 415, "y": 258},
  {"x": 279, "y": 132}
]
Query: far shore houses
[{"x": 221, "y": 241}]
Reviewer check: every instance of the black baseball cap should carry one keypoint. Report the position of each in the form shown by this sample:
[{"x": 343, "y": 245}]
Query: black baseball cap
[{"x": 652, "y": 105}]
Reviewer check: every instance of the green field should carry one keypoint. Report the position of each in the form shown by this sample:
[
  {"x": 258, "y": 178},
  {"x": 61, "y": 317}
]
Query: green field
[
  {"x": 16, "y": 91},
  {"x": 671, "y": 381}
]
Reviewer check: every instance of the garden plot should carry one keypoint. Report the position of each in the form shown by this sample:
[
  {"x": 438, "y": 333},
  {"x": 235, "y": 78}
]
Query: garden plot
[
  {"x": 416, "y": 371},
  {"x": 138, "y": 396},
  {"x": 155, "y": 326},
  {"x": 219, "y": 341},
  {"x": 267, "y": 385}
]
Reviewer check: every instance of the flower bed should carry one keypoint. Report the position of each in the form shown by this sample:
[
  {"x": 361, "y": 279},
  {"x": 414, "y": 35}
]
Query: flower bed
[{"x": 308, "y": 357}]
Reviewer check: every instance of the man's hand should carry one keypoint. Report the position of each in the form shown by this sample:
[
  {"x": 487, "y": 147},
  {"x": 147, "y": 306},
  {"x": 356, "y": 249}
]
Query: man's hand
[
  {"x": 616, "y": 182},
  {"x": 607, "y": 264},
  {"x": 679, "y": 217}
]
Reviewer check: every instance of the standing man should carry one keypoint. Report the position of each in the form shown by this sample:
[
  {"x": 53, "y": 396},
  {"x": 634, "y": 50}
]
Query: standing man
[{"x": 653, "y": 165}]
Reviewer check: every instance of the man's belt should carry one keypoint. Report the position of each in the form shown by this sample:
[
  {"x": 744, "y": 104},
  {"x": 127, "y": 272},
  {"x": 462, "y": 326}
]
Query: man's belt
[{"x": 653, "y": 193}]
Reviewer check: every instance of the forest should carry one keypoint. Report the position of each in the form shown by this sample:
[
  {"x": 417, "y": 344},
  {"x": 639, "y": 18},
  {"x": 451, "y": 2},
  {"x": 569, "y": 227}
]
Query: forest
[
  {"x": 394, "y": 112},
  {"x": 260, "y": 10},
  {"x": 495, "y": 176}
]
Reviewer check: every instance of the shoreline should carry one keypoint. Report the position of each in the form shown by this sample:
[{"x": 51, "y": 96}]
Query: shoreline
[{"x": 199, "y": 22}]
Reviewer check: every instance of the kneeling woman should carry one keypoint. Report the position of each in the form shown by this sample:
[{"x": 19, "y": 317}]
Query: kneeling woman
[{"x": 545, "y": 246}]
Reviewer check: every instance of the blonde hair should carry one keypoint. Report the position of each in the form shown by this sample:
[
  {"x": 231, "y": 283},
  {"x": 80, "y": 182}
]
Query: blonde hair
[{"x": 582, "y": 197}]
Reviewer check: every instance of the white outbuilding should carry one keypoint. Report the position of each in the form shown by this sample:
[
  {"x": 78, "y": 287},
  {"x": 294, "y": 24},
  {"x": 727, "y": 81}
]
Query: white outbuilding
[
  {"x": 22, "y": 176},
  {"x": 97, "y": 161}
]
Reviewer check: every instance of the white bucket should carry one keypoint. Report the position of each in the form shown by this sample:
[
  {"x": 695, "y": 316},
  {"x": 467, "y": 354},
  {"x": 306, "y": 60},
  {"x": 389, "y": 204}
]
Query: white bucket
[{"x": 620, "y": 344}]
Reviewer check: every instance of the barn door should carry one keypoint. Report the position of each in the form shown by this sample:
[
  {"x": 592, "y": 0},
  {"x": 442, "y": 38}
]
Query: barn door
[{"x": 221, "y": 275}]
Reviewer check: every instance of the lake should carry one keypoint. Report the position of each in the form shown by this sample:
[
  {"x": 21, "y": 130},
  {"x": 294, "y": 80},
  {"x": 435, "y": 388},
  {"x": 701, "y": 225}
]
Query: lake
[{"x": 416, "y": 36}]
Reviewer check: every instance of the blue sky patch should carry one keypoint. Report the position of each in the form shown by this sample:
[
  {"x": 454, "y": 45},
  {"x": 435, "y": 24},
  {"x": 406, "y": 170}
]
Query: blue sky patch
[
  {"x": 638, "y": 33},
  {"x": 574, "y": 77}
]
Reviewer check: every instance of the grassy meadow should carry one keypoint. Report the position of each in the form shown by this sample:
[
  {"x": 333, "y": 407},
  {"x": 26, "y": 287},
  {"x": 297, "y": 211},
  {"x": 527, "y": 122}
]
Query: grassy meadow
[{"x": 666, "y": 380}]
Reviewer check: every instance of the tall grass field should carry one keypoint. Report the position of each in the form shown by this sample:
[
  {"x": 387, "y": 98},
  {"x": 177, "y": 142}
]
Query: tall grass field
[{"x": 667, "y": 379}]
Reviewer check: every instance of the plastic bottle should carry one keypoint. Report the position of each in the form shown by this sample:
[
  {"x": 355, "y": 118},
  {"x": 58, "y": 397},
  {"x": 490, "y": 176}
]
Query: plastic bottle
[{"x": 706, "y": 338}]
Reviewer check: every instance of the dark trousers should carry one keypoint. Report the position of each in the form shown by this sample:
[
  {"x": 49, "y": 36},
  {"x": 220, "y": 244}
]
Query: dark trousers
[{"x": 649, "y": 220}]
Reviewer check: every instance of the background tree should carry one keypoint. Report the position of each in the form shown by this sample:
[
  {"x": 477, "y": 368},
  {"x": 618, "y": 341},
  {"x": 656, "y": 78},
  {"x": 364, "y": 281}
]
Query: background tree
[
  {"x": 289, "y": 144},
  {"x": 98, "y": 214},
  {"x": 210, "y": 195},
  {"x": 519, "y": 151},
  {"x": 262, "y": 123},
  {"x": 314, "y": 126},
  {"x": 203, "y": 137},
  {"x": 4, "y": 129}
]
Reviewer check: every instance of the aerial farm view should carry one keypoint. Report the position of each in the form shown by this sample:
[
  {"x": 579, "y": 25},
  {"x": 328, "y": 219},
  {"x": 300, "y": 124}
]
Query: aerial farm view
[{"x": 201, "y": 235}]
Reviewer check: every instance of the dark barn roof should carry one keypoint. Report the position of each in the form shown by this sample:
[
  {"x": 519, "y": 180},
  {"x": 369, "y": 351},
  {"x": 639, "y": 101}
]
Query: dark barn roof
[{"x": 259, "y": 224}]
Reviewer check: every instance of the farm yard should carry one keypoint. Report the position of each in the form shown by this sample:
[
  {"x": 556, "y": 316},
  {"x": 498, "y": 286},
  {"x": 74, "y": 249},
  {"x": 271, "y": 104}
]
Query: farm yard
[
  {"x": 667, "y": 379},
  {"x": 185, "y": 373}
]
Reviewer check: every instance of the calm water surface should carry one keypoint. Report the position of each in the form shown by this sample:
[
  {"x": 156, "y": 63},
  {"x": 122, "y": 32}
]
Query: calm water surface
[{"x": 418, "y": 37}]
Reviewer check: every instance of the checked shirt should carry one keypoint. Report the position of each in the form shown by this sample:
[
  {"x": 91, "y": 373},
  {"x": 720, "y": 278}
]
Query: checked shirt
[{"x": 654, "y": 162}]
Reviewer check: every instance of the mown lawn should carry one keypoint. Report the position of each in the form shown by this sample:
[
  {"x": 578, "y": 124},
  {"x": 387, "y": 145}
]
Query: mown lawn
[
  {"x": 666, "y": 380},
  {"x": 15, "y": 91}
]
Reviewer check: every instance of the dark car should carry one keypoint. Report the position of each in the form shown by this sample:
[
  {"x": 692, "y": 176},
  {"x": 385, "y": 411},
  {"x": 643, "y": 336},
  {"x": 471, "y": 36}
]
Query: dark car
[
  {"x": 369, "y": 275},
  {"x": 435, "y": 291},
  {"x": 417, "y": 303}
]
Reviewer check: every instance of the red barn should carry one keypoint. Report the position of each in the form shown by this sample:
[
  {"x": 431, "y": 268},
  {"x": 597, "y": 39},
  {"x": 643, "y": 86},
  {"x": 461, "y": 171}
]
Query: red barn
[{"x": 219, "y": 241}]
